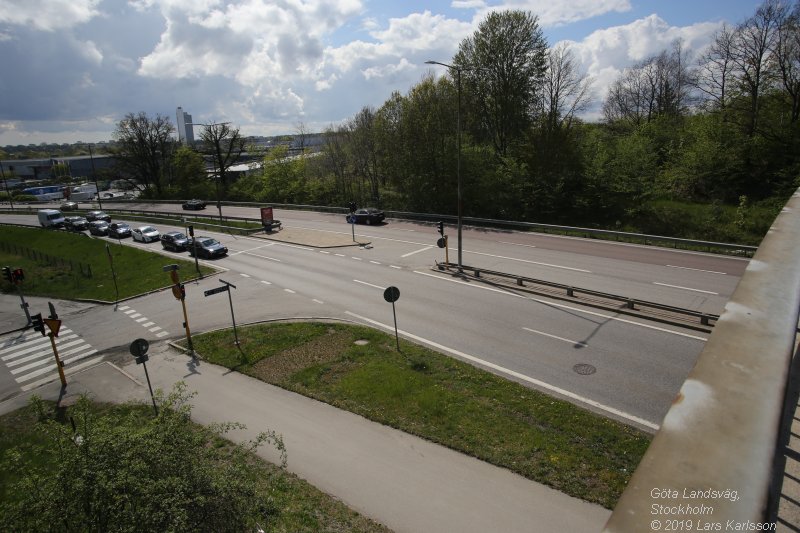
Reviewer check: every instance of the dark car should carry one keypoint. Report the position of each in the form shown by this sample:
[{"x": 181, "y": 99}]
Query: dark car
[
  {"x": 366, "y": 215},
  {"x": 175, "y": 241},
  {"x": 206, "y": 247},
  {"x": 98, "y": 227},
  {"x": 76, "y": 223},
  {"x": 91, "y": 216},
  {"x": 194, "y": 204},
  {"x": 119, "y": 230}
]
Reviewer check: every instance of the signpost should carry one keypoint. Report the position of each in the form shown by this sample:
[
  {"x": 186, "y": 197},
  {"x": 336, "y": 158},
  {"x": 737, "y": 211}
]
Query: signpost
[
  {"x": 392, "y": 294},
  {"x": 179, "y": 292},
  {"x": 113, "y": 274},
  {"x": 139, "y": 349},
  {"x": 226, "y": 288}
]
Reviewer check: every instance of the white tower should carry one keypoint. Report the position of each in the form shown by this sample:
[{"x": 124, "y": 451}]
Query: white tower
[{"x": 185, "y": 130}]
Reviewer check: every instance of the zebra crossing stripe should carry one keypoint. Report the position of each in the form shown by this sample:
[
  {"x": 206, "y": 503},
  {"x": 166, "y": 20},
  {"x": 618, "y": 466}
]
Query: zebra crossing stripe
[{"x": 67, "y": 372}]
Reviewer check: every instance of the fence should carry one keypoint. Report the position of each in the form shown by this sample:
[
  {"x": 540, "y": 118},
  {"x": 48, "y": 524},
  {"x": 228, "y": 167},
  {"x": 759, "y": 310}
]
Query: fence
[{"x": 85, "y": 270}]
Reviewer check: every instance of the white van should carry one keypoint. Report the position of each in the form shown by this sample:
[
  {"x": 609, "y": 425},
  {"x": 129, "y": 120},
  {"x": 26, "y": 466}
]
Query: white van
[{"x": 51, "y": 218}]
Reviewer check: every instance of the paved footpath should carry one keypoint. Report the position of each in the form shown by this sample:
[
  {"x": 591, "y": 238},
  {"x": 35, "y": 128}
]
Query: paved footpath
[{"x": 401, "y": 481}]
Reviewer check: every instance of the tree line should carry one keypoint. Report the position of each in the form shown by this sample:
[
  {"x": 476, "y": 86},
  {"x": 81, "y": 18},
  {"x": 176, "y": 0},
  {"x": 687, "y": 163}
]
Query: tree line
[{"x": 717, "y": 127}]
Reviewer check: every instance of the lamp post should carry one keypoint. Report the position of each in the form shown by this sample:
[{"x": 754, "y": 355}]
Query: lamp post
[
  {"x": 458, "y": 160},
  {"x": 94, "y": 175},
  {"x": 5, "y": 181}
]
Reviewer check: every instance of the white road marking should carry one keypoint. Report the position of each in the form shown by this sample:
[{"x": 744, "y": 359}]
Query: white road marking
[
  {"x": 324, "y": 252},
  {"x": 370, "y": 284},
  {"x": 571, "y": 308},
  {"x": 162, "y": 334},
  {"x": 263, "y": 257},
  {"x": 532, "y": 262},
  {"x": 308, "y": 249},
  {"x": 684, "y": 288},
  {"x": 123, "y": 307},
  {"x": 251, "y": 249},
  {"x": 357, "y": 258},
  {"x": 148, "y": 324},
  {"x": 67, "y": 372},
  {"x": 266, "y": 282},
  {"x": 140, "y": 320},
  {"x": 130, "y": 311},
  {"x": 375, "y": 262},
  {"x": 569, "y": 341},
  {"x": 153, "y": 330},
  {"x": 318, "y": 301},
  {"x": 244, "y": 275},
  {"x": 417, "y": 251},
  {"x": 135, "y": 315},
  {"x": 339, "y": 255},
  {"x": 518, "y": 244},
  {"x": 395, "y": 266},
  {"x": 698, "y": 270},
  {"x": 513, "y": 374},
  {"x": 290, "y": 291}
]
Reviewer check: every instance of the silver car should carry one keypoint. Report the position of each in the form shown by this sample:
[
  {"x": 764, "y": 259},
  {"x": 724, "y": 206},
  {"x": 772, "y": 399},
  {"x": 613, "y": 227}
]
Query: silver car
[{"x": 145, "y": 234}]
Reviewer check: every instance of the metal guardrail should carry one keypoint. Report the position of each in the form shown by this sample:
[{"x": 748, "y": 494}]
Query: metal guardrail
[
  {"x": 715, "y": 458},
  {"x": 675, "y": 242},
  {"x": 571, "y": 291}
]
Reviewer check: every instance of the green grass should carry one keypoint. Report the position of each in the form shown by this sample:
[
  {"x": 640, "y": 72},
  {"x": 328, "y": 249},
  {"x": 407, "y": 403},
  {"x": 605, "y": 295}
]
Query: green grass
[
  {"x": 291, "y": 503},
  {"x": 185, "y": 218},
  {"x": 441, "y": 399},
  {"x": 57, "y": 264}
]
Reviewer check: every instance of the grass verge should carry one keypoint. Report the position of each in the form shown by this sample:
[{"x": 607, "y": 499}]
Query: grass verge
[
  {"x": 71, "y": 266},
  {"x": 291, "y": 503},
  {"x": 440, "y": 399}
]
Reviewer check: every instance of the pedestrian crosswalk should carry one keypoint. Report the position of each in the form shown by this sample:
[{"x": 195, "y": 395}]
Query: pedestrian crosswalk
[{"x": 30, "y": 360}]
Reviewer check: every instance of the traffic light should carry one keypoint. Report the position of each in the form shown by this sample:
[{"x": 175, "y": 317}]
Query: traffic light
[
  {"x": 18, "y": 275},
  {"x": 441, "y": 228},
  {"x": 191, "y": 231},
  {"x": 352, "y": 207},
  {"x": 38, "y": 324},
  {"x": 7, "y": 274},
  {"x": 183, "y": 292}
]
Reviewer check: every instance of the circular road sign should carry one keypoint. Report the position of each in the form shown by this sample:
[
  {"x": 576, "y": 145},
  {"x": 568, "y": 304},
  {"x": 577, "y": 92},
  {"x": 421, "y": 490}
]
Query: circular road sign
[
  {"x": 391, "y": 294},
  {"x": 440, "y": 242},
  {"x": 139, "y": 347}
]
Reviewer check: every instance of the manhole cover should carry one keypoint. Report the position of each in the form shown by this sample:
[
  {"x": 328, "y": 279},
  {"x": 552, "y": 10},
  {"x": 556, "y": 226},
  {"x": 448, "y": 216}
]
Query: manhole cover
[
  {"x": 584, "y": 369},
  {"x": 362, "y": 342}
]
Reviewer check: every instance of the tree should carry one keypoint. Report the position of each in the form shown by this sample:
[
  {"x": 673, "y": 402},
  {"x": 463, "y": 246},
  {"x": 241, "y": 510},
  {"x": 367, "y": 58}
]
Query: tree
[
  {"x": 225, "y": 145},
  {"x": 136, "y": 473},
  {"x": 503, "y": 65},
  {"x": 715, "y": 69},
  {"x": 144, "y": 148},
  {"x": 189, "y": 177},
  {"x": 786, "y": 53},
  {"x": 565, "y": 89}
]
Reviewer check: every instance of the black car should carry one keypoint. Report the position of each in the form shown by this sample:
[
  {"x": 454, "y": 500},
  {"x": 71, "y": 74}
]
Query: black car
[
  {"x": 206, "y": 247},
  {"x": 175, "y": 241},
  {"x": 194, "y": 204},
  {"x": 367, "y": 215},
  {"x": 119, "y": 230},
  {"x": 98, "y": 227},
  {"x": 76, "y": 223},
  {"x": 91, "y": 216}
]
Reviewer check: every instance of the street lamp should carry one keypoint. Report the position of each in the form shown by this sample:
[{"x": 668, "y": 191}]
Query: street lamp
[
  {"x": 458, "y": 162},
  {"x": 94, "y": 176}
]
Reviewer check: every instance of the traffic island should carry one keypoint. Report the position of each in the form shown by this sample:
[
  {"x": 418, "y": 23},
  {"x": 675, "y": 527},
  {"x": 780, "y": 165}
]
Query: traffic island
[{"x": 310, "y": 237}]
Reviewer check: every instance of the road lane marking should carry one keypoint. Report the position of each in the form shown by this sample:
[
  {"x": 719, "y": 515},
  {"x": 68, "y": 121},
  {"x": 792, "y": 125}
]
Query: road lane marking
[
  {"x": 698, "y": 270},
  {"x": 570, "y": 308},
  {"x": 512, "y": 373},
  {"x": 317, "y": 301},
  {"x": 339, "y": 255},
  {"x": 532, "y": 262},
  {"x": 251, "y": 249},
  {"x": 153, "y": 330},
  {"x": 518, "y": 244},
  {"x": 569, "y": 341},
  {"x": 395, "y": 266},
  {"x": 375, "y": 262},
  {"x": 324, "y": 252},
  {"x": 147, "y": 324},
  {"x": 162, "y": 334},
  {"x": 290, "y": 291},
  {"x": 417, "y": 251},
  {"x": 370, "y": 284},
  {"x": 263, "y": 257},
  {"x": 684, "y": 288},
  {"x": 244, "y": 275},
  {"x": 143, "y": 319},
  {"x": 266, "y": 282},
  {"x": 357, "y": 258}
]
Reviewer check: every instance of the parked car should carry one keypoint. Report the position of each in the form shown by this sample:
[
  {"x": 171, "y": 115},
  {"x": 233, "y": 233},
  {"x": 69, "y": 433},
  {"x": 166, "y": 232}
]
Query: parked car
[
  {"x": 175, "y": 241},
  {"x": 367, "y": 215},
  {"x": 91, "y": 216},
  {"x": 145, "y": 234},
  {"x": 206, "y": 247},
  {"x": 69, "y": 206},
  {"x": 119, "y": 230},
  {"x": 76, "y": 223},
  {"x": 194, "y": 204},
  {"x": 98, "y": 227}
]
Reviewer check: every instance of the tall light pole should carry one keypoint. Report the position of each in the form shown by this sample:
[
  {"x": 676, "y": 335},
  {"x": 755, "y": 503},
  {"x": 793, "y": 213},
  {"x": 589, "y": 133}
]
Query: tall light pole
[
  {"x": 458, "y": 160},
  {"x": 94, "y": 175},
  {"x": 5, "y": 181}
]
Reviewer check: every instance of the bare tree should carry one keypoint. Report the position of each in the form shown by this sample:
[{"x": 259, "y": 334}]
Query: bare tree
[
  {"x": 225, "y": 145},
  {"x": 786, "y": 54},
  {"x": 145, "y": 148},
  {"x": 715, "y": 69},
  {"x": 566, "y": 91}
]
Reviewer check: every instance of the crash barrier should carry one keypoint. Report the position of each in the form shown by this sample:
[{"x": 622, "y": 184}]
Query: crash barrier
[
  {"x": 717, "y": 458},
  {"x": 631, "y": 304}
]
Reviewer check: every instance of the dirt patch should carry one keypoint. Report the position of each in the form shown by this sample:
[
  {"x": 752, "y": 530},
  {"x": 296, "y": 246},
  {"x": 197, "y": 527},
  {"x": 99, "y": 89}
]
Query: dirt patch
[{"x": 320, "y": 350}]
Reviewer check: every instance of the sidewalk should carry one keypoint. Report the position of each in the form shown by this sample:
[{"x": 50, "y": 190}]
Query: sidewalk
[{"x": 402, "y": 481}]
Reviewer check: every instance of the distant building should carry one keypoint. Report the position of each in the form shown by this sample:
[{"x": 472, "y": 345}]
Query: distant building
[{"x": 185, "y": 130}]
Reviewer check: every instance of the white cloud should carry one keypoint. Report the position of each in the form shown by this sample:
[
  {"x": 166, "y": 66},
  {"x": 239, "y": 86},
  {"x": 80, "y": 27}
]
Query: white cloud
[
  {"x": 48, "y": 15},
  {"x": 554, "y": 13},
  {"x": 388, "y": 70}
]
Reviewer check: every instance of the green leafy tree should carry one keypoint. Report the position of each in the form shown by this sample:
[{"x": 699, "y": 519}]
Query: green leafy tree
[
  {"x": 143, "y": 150},
  {"x": 189, "y": 177},
  {"x": 138, "y": 474}
]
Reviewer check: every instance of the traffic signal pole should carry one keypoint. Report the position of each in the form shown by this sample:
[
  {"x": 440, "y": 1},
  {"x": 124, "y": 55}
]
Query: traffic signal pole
[{"x": 59, "y": 364}]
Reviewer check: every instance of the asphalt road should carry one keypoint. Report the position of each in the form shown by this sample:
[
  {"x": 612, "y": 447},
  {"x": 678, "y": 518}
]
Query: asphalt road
[{"x": 620, "y": 366}]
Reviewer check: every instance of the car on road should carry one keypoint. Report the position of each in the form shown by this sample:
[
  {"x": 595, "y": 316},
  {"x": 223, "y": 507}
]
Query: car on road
[
  {"x": 175, "y": 241},
  {"x": 98, "y": 227},
  {"x": 366, "y": 215},
  {"x": 76, "y": 223},
  {"x": 91, "y": 216},
  {"x": 69, "y": 206},
  {"x": 194, "y": 204},
  {"x": 145, "y": 234},
  {"x": 119, "y": 230},
  {"x": 206, "y": 247}
]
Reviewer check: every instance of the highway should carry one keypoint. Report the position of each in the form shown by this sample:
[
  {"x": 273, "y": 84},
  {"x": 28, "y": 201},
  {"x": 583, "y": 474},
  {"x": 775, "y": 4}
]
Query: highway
[{"x": 624, "y": 367}]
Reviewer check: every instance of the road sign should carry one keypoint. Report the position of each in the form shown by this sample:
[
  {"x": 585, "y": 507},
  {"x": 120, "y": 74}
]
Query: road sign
[
  {"x": 440, "y": 242},
  {"x": 209, "y": 292},
  {"x": 54, "y": 324},
  {"x": 178, "y": 292},
  {"x": 139, "y": 347},
  {"x": 391, "y": 294},
  {"x": 266, "y": 215}
]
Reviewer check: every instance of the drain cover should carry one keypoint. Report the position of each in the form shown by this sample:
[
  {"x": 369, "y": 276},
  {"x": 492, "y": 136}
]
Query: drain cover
[{"x": 584, "y": 369}]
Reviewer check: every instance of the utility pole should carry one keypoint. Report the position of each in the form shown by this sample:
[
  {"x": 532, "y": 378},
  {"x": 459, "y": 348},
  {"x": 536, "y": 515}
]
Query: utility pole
[{"x": 179, "y": 291}]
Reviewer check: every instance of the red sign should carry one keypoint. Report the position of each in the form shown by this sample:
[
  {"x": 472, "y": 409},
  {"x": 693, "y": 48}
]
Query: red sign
[{"x": 266, "y": 215}]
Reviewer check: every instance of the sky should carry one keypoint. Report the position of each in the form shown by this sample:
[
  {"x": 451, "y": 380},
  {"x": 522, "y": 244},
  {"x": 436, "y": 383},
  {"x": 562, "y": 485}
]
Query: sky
[{"x": 70, "y": 70}]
